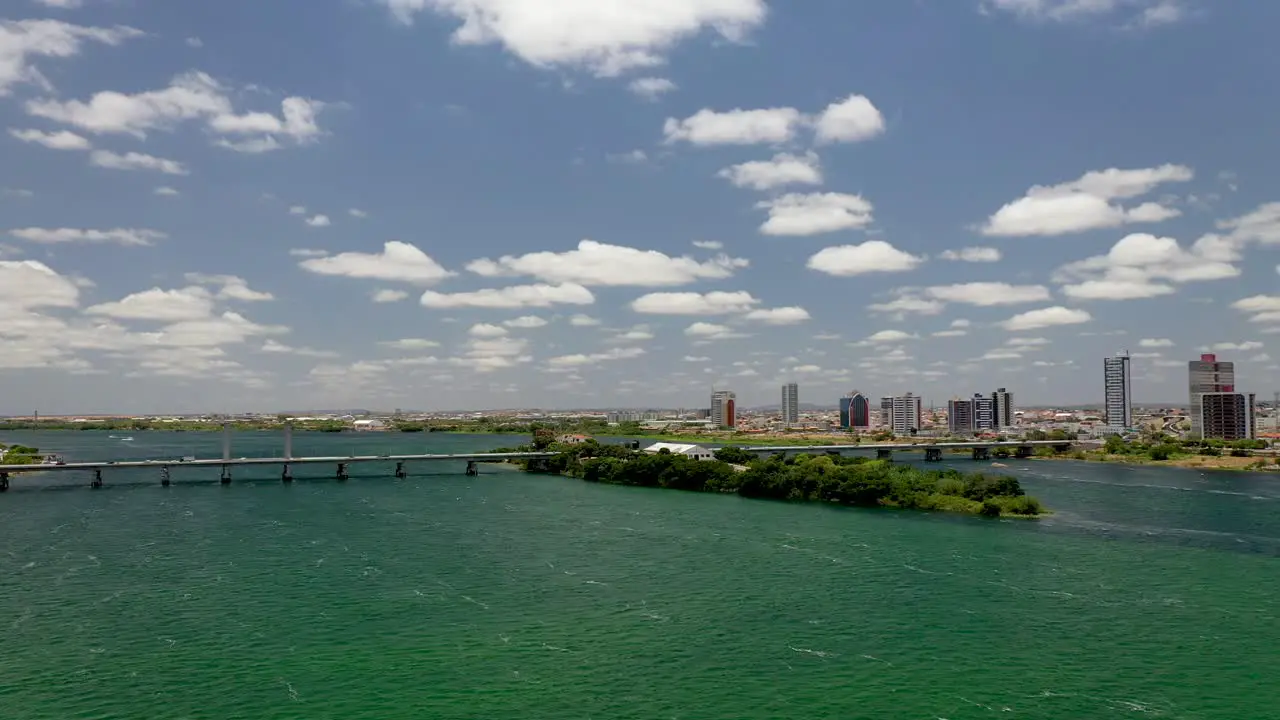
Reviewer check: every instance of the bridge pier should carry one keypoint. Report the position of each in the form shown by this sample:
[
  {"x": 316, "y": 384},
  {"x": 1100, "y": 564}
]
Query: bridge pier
[
  {"x": 164, "y": 476},
  {"x": 884, "y": 454},
  {"x": 1022, "y": 452},
  {"x": 342, "y": 471},
  {"x": 981, "y": 453},
  {"x": 286, "y": 475},
  {"x": 472, "y": 469},
  {"x": 226, "y": 475},
  {"x": 933, "y": 455},
  {"x": 4, "y": 482},
  {"x": 400, "y": 473},
  {"x": 97, "y": 479}
]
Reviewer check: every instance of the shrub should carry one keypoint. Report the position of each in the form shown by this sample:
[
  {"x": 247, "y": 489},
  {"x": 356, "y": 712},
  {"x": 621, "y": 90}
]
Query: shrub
[{"x": 989, "y": 509}]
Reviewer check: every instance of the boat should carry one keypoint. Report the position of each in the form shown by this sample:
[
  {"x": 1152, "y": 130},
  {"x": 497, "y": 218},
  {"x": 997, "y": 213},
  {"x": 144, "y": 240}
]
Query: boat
[{"x": 121, "y": 438}]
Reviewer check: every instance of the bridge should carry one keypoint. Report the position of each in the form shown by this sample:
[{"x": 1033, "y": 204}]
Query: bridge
[
  {"x": 285, "y": 462},
  {"x": 932, "y": 451}
]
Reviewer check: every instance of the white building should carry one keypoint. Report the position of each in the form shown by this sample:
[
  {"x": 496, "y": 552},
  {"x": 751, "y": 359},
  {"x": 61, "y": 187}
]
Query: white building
[
  {"x": 1118, "y": 391},
  {"x": 901, "y": 413},
  {"x": 368, "y": 425},
  {"x": 697, "y": 452},
  {"x": 791, "y": 404},
  {"x": 723, "y": 409},
  {"x": 1005, "y": 415}
]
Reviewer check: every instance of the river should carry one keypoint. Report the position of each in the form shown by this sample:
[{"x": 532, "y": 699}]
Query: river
[{"x": 1151, "y": 593}]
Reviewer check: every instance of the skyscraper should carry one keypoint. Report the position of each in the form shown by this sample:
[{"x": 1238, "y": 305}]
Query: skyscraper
[
  {"x": 1207, "y": 375},
  {"x": 790, "y": 404},
  {"x": 902, "y": 413},
  {"x": 1227, "y": 416},
  {"x": 984, "y": 413},
  {"x": 855, "y": 411},
  {"x": 1003, "y": 400},
  {"x": 1117, "y": 391},
  {"x": 960, "y": 416},
  {"x": 722, "y": 409}
]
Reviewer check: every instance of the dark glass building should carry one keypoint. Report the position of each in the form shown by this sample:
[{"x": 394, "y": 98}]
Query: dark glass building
[{"x": 855, "y": 411}]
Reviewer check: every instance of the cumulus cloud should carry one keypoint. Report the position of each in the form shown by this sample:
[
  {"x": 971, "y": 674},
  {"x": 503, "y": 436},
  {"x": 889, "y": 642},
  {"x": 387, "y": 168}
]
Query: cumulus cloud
[
  {"x": 604, "y": 37},
  {"x": 398, "y": 261},
  {"x": 853, "y": 119},
  {"x": 599, "y": 264},
  {"x": 814, "y": 213},
  {"x": 192, "y": 303},
  {"x": 651, "y": 88},
  {"x": 1087, "y": 203},
  {"x": 1138, "y": 13},
  {"x": 579, "y": 360},
  {"x": 486, "y": 330},
  {"x": 692, "y": 303},
  {"x": 779, "y": 316},
  {"x": 1046, "y": 317},
  {"x": 869, "y": 257},
  {"x": 136, "y": 161},
  {"x": 525, "y": 322},
  {"x": 1155, "y": 343},
  {"x": 735, "y": 127},
  {"x": 388, "y": 296},
  {"x": 710, "y": 331},
  {"x": 580, "y": 320},
  {"x": 972, "y": 254},
  {"x": 22, "y": 41},
  {"x": 988, "y": 294},
  {"x": 61, "y": 140},
  {"x": 518, "y": 296},
  {"x": 118, "y": 236},
  {"x": 230, "y": 287},
  {"x": 1146, "y": 266},
  {"x": 783, "y": 169}
]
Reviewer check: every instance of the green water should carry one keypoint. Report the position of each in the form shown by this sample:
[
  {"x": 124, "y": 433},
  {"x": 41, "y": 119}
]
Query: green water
[{"x": 1151, "y": 594}]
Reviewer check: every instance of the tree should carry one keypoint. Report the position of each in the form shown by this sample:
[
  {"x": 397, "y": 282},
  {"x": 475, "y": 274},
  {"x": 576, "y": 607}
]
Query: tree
[
  {"x": 734, "y": 455},
  {"x": 1115, "y": 445}
]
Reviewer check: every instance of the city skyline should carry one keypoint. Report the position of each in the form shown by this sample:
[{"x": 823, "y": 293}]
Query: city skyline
[{"x": 495, "y": 204}]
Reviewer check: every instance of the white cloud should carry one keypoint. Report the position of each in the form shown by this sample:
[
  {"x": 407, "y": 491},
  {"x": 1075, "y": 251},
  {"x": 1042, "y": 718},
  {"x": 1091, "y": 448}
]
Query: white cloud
[
  {"x": 696, "y": 359},
  {"x": 972, "y": 254},
  {"x": 960, "y": 323},
  {"x": 605, "y": 37},
  {"x": 410, "y": 344},
  {"x": 357, "y": 213},
  {"x": 633, "y": 157},
  {"x": 193, "y": 303},
  {"x": 190, "y": 97},
  {"x": 1155, "y": 343},
  {"x": 298, "y": 210},
  {"x": 1149, "y": 13},
  {"x": 230, "y": 287},
  {"x": 735, "y": 127},
  {"x": 583, "y": 321},
  {"x": 639, "y": 333},
  {"x": 1237, "y": 347},
  {"x": 708, "y": 244},
  {"x": 908, "y": 302},
  {"x": 651, "y": 88},
  {"x": 1026, "y": 343},
  {"x": 518, "y": 296},
  {"x": 692, "y": 303},
  {"x": 398, "y": 261},
  {"x": 489, "y": 354},
  {"x": 119, "y": 236},
  {"x": 871, "y": 256},
  {"x": 579, "y": 360},
  {"x": 278, "y": 348},
  {"x": 1046, "y": 317},
  {"x": 166, "y": 191},
  {"x": 61, "y": 140},
  {"x": 783, "y": 169},
  {"x": 950, "y": 333},
  {"x": 853, "y": 119},
  {"x": 888, "y": 336},
  {"x": 1144, "y": 266},
  {"x": 1087, "y": 203},
  {"x": 999, "y": 354},
  {"x": 319, "y": 221},
  {"x": 814, "y": 213},
  {"x": 136, "y": 161},
  {"x": 389, "y": 296},
  {"x": 710, "y": 331},
  {"x": 594, "y": 263},
  {"x": 525, "y": 322},
  {"x": 989, "y": 294},
  {"x": 486, "y": 330},
  {"x": 779, "y": 316},
  {"x": 28, "y": 284},
  {"x": 23, "y": 40}
]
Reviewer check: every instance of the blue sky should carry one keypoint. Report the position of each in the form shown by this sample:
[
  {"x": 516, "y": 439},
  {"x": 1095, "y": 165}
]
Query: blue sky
[{"x": 595, "y": 203}]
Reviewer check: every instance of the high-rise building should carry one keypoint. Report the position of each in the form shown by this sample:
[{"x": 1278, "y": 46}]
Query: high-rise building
[
  {"x": 722, "y": 409},
  {"x": 1207, "y": 375},
  {"x": 1003, "y": 400},
  {"x": 984, "y": 413},
  {"x": 901, "y": 413},
  {"x": 960, "y": 416},
  {"x": 855, "y": 411},
  {"x": 1227, "y": 416},
  {"x": 1117, "y": 391},
  {"x": 790, "y": 404}
]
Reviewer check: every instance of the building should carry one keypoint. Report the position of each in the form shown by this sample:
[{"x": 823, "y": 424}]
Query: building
[
  {"x": 1207, "y": 375},
  {"x": 1227, "y": 416},
  {"x": 960, "y": 416},
  {"x": 1117, "y": 391},
  {"x": 855, "y": 412},
  {"x": 984, "y": 414},
  {"x": 573, "y": 439},
  {"x": 697, "y": 452},
  {"x": 791, "y": 404},
  {"x": 722, "y": 409},
  {"x": 902, "y": 413},
  {"x": 1003, "y": 400}
]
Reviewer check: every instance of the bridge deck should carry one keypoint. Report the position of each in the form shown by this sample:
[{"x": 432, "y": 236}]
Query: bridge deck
[
  {"x": 1012, "y": 444},
  {"x": 466, "y": 457}
]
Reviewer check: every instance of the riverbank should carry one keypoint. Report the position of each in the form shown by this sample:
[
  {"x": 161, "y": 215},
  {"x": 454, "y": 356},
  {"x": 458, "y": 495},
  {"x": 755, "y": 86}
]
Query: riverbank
[
  {"x": 1195, "y": 462},
  {"x": 851, "y": 481}
]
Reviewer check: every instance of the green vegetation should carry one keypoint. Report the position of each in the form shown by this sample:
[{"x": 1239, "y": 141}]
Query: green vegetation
[
  {"x": 855, "y": 481},
  {"x": 1160, "y": 448},
  {"x": 20, "y": 455}
]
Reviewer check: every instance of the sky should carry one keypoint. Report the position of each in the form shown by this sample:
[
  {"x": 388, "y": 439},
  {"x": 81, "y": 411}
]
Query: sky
[{"x": 479, "y": 204}]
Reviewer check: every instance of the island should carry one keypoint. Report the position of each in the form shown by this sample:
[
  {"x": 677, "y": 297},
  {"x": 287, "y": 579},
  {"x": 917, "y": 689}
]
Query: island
[{"x": 853, "y": 481}]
